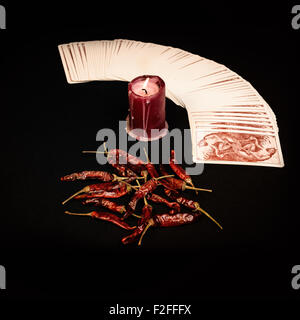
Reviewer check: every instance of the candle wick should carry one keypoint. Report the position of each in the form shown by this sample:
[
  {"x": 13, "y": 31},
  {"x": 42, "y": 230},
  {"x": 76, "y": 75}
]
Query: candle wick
[{"x": 145, "y": 85}]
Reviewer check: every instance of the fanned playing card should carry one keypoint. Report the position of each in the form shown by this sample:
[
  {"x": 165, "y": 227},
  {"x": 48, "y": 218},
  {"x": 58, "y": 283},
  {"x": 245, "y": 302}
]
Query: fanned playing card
[{"x": 230, "y": 122}]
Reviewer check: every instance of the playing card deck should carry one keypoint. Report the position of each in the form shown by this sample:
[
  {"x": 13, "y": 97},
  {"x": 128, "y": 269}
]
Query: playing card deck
[{"x": 230, "y": 122}]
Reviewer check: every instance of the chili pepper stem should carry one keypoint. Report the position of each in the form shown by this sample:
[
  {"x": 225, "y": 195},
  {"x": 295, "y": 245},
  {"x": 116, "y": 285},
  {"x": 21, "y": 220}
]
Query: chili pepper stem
[
  {"x": 78, "y": 214},
  {"x": 171, "y": 175},
  {"x": 145, "y": 201},
  {"x": 162, "y": 177},
  {"x": 104, "y": 146},
  {"x": 199, "y": 189},
  {"x": 121, "y": 178},
  {"x": 116, "y": 178},
  {"x": 88, "y": 151},
  {"x": 189, "y": 181},
  {"x": 85, "y": 189},
  {"x": 210, "y": 217},
  {"x": 131, "y": 186},
  {"x": 150, "y": 223},
  {"x": 145, "y": 174}
]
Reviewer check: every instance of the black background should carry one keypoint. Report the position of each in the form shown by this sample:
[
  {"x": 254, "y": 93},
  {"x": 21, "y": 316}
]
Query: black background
[{"x": 46, "y": 123}]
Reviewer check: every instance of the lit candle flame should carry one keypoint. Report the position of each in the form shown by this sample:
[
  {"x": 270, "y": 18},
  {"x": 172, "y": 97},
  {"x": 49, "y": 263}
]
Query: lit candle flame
[{"x": 145, "y": 84}]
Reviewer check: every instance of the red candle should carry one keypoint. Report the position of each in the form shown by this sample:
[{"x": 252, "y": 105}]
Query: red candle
[{"x": 147, "y": 108}]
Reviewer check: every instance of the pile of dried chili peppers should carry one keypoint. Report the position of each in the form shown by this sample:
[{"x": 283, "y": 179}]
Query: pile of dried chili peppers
[{"x": 147, "y": 181}]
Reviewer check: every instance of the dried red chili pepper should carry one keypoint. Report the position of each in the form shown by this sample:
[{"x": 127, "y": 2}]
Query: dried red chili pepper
[
  {"x": 143, "y": 223},
  {"x": 146, "y": 213},
  {"x": 181, "y": 200},
  {"x": 105, "y": 216},
  {"x": 101, "y": 175},
  {"x": 189, "y": 204},
  {"x": 84, "y": 175},
  {"x": 99, "y": 195},
  {"x": 164, "y": 172},
  {"x": 150, "y": 167},
  {"x": 151, "y": 170},
  {"x": 158, "y": 199},
  {"x": 161, "y": 220},
  {"x": 104, "y": 190},
  {"x": 178, "y": 219},
  {"x": 93, "y": 199},
  {"x": 118, "y": 153},
  {"x": 178, "y": 184},
  {"x": 135, "y": 234},
  {"x": 181, "y": 173},
  {"x": 169, "y": 220},
  {"x": 106, "y": 203}
]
